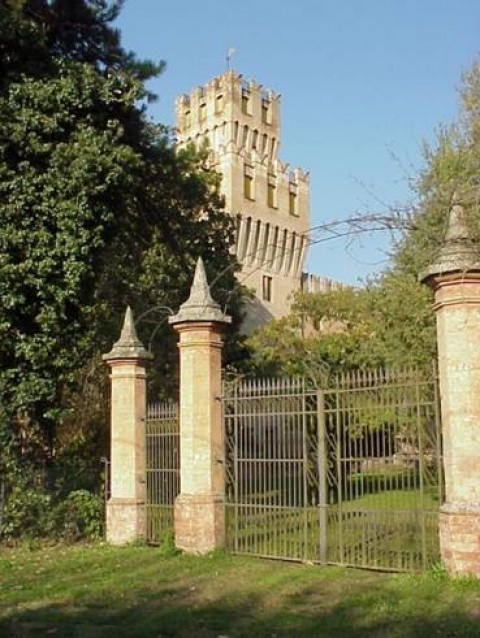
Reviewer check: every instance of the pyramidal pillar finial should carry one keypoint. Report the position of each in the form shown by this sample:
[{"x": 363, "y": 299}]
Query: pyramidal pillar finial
[
  {"x": 200, "y": 306},
  {"x": 459, "y": 251},
  {"x": 128, "y": 329},
  {"x": 128, "y": 345}
]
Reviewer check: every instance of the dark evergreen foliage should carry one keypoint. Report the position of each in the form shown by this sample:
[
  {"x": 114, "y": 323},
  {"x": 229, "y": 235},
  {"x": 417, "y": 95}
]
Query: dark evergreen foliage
[{"x": 97, "y": 210}]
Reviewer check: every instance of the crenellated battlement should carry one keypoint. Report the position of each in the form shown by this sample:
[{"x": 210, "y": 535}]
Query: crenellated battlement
[
  {"x": 321, "y": 285},
  {"x": 239, "y": 120},
  {"x": 230, "y": 95},
  {"x": 290, "y": 175},
  {"x": 233, "y": 115}
]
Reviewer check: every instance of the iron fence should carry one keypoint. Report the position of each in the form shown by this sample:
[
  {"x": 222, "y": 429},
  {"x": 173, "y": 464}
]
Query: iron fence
[
  {"x": 349, "y": 474},
  {"x": 162, "y": 468}
]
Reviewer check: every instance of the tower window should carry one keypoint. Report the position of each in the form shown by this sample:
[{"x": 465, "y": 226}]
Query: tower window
[
  {"x": 292, "y": 203},
  {"x": 245, "y": 136},
  {"x": 267, "y": 288},
  {"x": 188, "y": 118},
  {"x": 219, "y": 103},
  {"x": 272, "y": 191},
  {"x": 273, "y": 146},
  {"x": 271, "y": 196},
  {"x": 202, "y": 112},
  {"x": 246, "y": 106},
  {"x": 266, "y": 112},
  {"x": 248, "y": 185},
  {"x": 265, "y": 144}
]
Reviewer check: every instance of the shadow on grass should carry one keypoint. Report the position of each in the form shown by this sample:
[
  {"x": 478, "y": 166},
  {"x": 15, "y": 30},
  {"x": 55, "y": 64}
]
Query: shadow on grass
[{"x": 371, "y": 612}]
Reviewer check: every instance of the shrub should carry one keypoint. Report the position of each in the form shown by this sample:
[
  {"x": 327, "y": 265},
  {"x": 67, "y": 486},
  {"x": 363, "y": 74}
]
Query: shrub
[
  {"x": 25, "y": 514},
  {"x": 79, "y": 516},
  {"x": 30, "y": 513}
]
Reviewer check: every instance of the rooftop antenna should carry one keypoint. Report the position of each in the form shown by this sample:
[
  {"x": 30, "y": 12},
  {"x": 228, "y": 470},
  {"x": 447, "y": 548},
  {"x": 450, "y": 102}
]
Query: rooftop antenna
[{"x": 228, "y": 57}]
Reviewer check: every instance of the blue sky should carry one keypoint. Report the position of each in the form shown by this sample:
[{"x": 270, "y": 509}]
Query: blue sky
[{"x": 363, "y": 84}]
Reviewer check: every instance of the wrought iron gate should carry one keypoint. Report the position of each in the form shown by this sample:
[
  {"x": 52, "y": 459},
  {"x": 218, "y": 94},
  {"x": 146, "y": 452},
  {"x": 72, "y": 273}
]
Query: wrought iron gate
[
  {"x": 347, "y": 475},
  {"x": 162, "y": 468}
]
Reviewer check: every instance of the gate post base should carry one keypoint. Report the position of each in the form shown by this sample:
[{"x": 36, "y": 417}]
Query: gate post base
[
  {"x": 126, "y": 521},
  {"x": 460, "y": 538},
  {"x": 199, "y": 523}
]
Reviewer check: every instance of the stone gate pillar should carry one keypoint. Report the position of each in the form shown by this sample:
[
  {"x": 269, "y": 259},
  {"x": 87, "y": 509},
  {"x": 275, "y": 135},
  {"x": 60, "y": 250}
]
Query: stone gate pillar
[
  {"x": 126, "y": 505},
  {"x": 455, "y": 278},
  {"x": 200, "y": 506}
]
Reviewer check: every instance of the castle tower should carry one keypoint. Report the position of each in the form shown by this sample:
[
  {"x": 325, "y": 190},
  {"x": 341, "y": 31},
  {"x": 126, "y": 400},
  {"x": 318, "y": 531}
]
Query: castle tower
[{"x": 240, "y": 122}]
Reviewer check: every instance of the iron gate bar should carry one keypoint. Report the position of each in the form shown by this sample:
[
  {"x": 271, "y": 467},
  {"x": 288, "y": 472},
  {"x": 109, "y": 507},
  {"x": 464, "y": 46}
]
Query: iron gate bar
[
  {"x": 338, "y": 475},
  {"x": 162, "y": 468},
  {"x": 438, "y": 433},
  {"x": 304, "y": 474},
  {"x": 322, "y": 474},
  {"x": 421, "y": 471}
]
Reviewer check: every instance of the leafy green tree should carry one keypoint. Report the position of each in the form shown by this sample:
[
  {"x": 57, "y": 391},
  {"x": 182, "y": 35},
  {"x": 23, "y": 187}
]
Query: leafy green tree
[
  {"x": 59, "y": 169},
  {"x": 75, "y": 30},
  {"x": 390, "y": 320},
  {"x": 97, "y": 210},
  {"x": 452, "y": 166}
]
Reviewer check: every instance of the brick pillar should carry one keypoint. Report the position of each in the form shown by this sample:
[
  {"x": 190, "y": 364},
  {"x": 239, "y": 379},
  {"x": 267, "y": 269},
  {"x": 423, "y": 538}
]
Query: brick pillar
[
  {"x": 126, "y": 505},
  {"x": 200, "y": 506},
  {"x": 455, "y": 278}
]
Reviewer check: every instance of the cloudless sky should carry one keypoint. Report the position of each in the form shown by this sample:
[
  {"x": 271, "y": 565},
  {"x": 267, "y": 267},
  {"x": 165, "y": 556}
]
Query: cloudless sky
[{"x": 363, "y": 84}]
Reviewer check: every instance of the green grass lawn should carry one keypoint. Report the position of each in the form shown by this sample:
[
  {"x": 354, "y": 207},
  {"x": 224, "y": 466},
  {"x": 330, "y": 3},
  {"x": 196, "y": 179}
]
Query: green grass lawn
[{"x": 96, "y": 591}]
